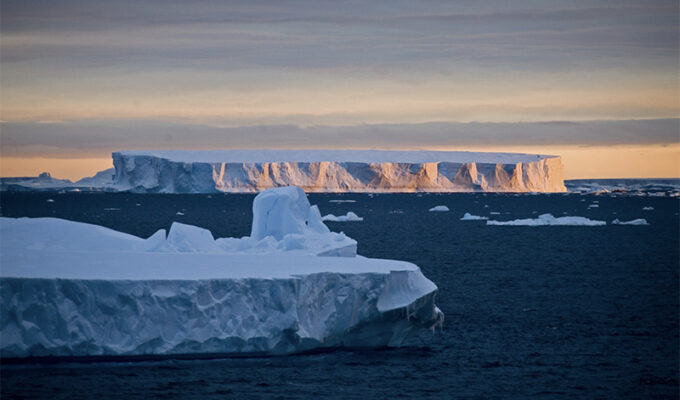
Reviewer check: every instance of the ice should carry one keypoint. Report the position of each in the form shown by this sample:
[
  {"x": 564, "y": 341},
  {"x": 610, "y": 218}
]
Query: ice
[
  {"x": 349, "y": 217},
  {"x": 470, "y": 217},
  {"x": 75, "y": 289},
  {"x": 639, "y": 221},
  {"x": 549, "y": 219},
  {"x": 439, "y": 208},
  {"x": 648, "y": 208},
  {"x": 335, "y": 171},
  {"x": 342, "y": 201}
]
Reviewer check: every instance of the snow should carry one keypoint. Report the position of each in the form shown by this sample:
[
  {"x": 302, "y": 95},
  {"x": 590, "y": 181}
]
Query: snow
[
  {"x": 439, "y": 208},
  {"x": 470, "y": 217},
  {"x": 349, "y": 217},
  {"x": 110, "y": 293},
  {"x": 549, "y": 219},
  {"x": 639, "y": 221}
]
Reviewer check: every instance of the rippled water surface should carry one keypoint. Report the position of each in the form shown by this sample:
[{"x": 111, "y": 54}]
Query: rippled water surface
[{"x": 531, "y": 312}]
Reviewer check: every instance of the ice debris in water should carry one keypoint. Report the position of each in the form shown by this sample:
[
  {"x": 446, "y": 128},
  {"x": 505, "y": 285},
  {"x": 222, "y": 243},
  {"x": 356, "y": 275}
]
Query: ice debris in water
[
  {"x": 648, "y": 208},
  {"x": 439, "y": 208},
  {"x": 549, "y": 219},
  {"x": 639, "y": 221},
  {"x": 470, "y": 217},
  {"x": 350, "y": 216}
]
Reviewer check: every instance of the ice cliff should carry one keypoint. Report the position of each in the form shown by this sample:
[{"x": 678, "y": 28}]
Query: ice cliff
[
  {"x": 75, "y": 289},
  {"x": 335, "y": 171}
]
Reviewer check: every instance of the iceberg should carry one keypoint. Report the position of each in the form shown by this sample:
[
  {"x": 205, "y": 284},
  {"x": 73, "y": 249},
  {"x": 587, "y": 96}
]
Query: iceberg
[
  {"x": 76, "y": 289},
  {"x": 549, "y": 220},
  {"x": 439, "y": 208},
  {"x": 638, "y": 221},
  {"x": 335, "y": 171},
  {"x": 470, "y": 217},
  {"x": 349, "y": 217}
]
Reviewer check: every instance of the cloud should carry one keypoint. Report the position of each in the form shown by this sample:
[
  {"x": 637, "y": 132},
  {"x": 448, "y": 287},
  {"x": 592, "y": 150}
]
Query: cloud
[{"x": 99, "y": 138}]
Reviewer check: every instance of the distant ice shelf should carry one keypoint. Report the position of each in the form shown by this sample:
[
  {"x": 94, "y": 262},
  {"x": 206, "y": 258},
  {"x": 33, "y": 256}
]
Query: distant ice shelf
[
  {"x": 335, "y": 171},
  {"x": 75, "y": 289}
]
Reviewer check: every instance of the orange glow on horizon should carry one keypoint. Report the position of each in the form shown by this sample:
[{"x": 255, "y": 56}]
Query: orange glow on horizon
[{"x": 595, "y": 162}]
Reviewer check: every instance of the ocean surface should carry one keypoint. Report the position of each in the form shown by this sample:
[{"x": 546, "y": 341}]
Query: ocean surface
[{"x": 531, "y": 312}]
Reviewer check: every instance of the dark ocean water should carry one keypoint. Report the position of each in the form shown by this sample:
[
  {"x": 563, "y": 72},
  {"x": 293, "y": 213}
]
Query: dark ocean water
[{"x": 531, "y": 312}]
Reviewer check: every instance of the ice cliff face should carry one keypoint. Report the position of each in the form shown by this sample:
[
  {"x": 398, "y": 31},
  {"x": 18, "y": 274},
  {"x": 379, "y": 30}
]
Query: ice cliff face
[
  {"x": 75, "y": 289},
  {"x": 335, "y": 171}
]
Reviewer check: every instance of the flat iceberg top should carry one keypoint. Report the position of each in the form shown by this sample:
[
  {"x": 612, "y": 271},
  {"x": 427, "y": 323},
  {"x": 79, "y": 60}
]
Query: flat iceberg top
[
  {"x": 117, "y": 265},
  {"x": 360, "y": 156}
]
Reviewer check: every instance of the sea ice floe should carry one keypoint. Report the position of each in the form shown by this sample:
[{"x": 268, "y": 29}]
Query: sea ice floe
[
  {"x": 638, "y": 221},
  {"x": 349, "y": 217},
  {"x": 648, "y": 208},
  {"x": 470, "y": 217},
  {"x": 549, "y": 219},
  {"x": 439, "y": 208}
]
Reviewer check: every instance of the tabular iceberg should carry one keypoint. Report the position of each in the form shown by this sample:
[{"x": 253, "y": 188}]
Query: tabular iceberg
[
  {"x": 75, "y": 289},
  {"x": 335, "y": 171}
]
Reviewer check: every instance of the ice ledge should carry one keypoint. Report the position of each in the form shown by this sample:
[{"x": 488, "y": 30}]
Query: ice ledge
[{"x": 163, "y": 317}]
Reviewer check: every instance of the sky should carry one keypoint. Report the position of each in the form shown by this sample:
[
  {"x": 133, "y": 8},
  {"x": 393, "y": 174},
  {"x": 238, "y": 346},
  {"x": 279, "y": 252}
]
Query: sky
[{"x": 596, "y": 82}]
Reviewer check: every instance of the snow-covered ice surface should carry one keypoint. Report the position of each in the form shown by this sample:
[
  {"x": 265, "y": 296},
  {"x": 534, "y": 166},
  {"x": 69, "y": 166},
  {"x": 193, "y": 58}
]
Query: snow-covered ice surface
[
  {"x": 349, "y": 217},
  {"x": 470, "y": 217},
  {"x": 439, "y": 208},
  {"x": 76, "y": 289},
  {"x": 637, "y": 221},
  {"x": 335, "y": 171},
  {"x": 549, "y": 219}
]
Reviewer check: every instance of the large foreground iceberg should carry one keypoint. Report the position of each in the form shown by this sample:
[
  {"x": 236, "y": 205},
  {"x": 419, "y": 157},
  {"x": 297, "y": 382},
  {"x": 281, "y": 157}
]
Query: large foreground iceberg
[
  {"x": 335, "y": 171},
  {"x": 74, "y": 289}
]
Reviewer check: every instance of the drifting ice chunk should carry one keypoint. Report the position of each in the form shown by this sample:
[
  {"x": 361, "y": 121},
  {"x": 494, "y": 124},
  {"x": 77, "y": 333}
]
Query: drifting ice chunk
[
  {"x": 648, "y": 208},
  {"x": 639, "y": 221},
  {"x": 548, "y": 219},
  {"x": 350, "y": 216},
  {"x": 439, "y": 208},
  {"x": 470, "y": 217},
  {"x": 188, "y": 238}
]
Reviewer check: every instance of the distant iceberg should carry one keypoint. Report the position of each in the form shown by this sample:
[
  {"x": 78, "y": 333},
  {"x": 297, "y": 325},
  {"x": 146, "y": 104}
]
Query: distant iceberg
[
  {"x": 76, "y": 289},
  {"x": 549, "y": 220},
  {"x": 349, "y": 217},
  {"x": 470, "y": 217},
  {"x": 639, "y": 221},
  {"x": 439, "y": 208}
]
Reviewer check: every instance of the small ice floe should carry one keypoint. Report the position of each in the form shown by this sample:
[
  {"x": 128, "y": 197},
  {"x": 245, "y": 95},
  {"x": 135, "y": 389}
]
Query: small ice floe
[
  {"x": 50, "y": 200},
  {"x": 639, "y": 221},
  {"x": 342, "y": 201},
  {"x": 439, "y": 208},
  {"x": 494, "y": 213},
  {"x": 486, "y": 206},
  {"x": 349, "y": 217},
  {"x": 137, "y": 205},
  {"x": 549, "y": 219},
  {"x": 470, "y": 217},
  {"x": 179, "y": 213},
  {"x": 593, "y": 205},
  {"x": 648, "y": 208},
  {"x": 396, "y": 212},
  {"x": 112, "y": 209}
]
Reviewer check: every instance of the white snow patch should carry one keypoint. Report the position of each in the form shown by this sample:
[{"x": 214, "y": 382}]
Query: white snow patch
[{"x": 549, "y": 219}]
